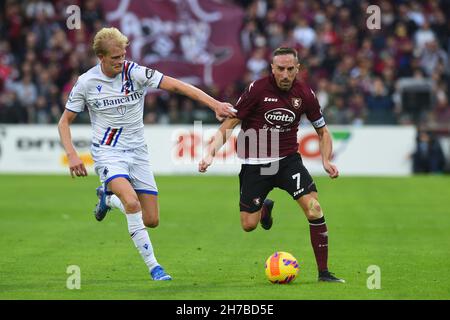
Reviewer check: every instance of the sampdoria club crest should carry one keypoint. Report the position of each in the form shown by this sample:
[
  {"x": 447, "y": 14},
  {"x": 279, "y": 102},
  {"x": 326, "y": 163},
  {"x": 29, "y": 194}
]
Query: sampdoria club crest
[{"x": 122, "y": 109}]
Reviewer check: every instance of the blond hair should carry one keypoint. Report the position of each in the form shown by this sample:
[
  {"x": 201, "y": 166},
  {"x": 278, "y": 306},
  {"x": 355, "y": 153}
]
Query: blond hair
[{"x": 107, "y": 36}]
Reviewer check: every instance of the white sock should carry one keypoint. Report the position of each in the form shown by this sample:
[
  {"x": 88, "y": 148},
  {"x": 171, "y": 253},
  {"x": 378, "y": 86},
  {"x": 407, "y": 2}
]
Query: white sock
[
  {"x": 141, "y": 239},
  {"x": 113, "y": 201}
]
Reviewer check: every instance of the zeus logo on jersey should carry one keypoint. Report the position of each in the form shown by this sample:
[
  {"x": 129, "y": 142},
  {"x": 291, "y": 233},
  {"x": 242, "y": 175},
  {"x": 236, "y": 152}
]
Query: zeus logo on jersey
[
  {"x": 266, "y": 99},
  {"x": 279, "y": 117}
]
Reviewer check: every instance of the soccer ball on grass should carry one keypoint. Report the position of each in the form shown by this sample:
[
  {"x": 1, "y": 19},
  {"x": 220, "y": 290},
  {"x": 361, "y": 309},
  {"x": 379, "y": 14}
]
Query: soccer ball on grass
[{"x": 281, "y": 267}]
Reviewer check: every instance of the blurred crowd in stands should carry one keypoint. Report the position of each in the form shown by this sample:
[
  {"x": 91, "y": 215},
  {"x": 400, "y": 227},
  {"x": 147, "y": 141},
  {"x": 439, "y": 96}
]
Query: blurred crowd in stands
[{"x": 353, "y": 70}]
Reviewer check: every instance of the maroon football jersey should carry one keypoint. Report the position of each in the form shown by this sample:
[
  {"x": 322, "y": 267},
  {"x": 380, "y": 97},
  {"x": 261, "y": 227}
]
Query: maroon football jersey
[{"x": 270, "y": 118}]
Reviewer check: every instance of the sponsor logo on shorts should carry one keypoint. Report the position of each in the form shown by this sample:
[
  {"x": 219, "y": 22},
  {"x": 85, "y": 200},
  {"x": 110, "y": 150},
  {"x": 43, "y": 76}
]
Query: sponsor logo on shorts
[{"x": 298, "y": 192}]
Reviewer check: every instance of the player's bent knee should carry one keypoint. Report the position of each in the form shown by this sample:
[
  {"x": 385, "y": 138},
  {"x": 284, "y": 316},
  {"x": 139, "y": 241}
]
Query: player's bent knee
[
  {"x": 151, "y": 222},
  {"x": 249, "y": 221},
  {"x": 314, "y": 210},
  {"x": 131, "y": 204},
  {"x": 248, "y": 227}
]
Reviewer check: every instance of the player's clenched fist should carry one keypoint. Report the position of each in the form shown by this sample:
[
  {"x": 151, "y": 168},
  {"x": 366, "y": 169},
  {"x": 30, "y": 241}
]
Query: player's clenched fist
[
  {"x": 225, "y": 110},
  {"x": 331, "y": 169},
  {"x": 76, "y": 166},
  {"x": 205, "y": 163}
]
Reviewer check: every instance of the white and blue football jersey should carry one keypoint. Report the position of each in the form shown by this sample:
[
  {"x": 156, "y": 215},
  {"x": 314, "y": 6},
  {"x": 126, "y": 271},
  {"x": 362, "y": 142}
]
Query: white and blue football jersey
[{"x": 116, "y": 105}]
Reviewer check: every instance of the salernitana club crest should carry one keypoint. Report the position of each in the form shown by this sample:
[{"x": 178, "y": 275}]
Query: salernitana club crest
[{"x": 296, "y": 103}]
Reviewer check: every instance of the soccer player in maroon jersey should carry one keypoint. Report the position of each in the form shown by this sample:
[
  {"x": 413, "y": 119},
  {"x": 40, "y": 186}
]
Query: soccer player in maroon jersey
[{"x": 269, "y": 112}]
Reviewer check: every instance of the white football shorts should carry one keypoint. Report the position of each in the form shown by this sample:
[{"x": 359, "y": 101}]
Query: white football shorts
[{"x": 132, "y": 164}]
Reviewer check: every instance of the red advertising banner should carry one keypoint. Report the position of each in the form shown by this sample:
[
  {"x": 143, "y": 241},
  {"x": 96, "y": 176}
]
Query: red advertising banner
[{"x": 197, "y": 41}]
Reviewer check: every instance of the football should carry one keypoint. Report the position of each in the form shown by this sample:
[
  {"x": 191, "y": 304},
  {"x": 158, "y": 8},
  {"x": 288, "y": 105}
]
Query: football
[{"x": 281, "y": 267}]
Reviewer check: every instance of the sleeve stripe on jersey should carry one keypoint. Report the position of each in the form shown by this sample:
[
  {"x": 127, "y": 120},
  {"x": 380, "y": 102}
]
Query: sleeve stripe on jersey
[
  {"x": 106, "y": 134},
  {"x": 118, "y": 135},
  {"x": 157, "y": 87},
  {"x": 72, "y": 110}
]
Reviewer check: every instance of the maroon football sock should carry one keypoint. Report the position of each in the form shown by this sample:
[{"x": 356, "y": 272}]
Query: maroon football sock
[{"x": 319, "y": 241}]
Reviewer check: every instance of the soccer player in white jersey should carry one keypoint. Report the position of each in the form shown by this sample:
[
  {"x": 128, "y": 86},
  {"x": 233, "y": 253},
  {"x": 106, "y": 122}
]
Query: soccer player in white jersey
[{"x": 114, "y": 92}]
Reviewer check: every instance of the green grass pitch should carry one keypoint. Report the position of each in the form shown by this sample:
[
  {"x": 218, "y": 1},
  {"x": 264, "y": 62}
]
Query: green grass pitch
[{"x": 401, "y": 225}]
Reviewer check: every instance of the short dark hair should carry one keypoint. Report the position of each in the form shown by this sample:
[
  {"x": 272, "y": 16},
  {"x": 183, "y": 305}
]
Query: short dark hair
[{"x": 284, "y": 50}]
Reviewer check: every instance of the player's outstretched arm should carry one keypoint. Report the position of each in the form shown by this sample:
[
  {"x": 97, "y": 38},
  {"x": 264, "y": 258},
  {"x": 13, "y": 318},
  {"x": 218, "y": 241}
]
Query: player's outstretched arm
[
  {"x": 75, "y": 164},
  {"x": 326, "y": 150},
  {"x": 219, "y": 139},
  {"x": 222, "y": 109}
]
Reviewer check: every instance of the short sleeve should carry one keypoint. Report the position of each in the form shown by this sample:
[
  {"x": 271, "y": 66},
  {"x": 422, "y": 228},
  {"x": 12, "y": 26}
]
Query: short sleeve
[
  {"x": 246, "y": 102},
  {"x": 314, "y": 111},
  {"x": 77, "y": 98},
  {"x": 146, "y": 77}
]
